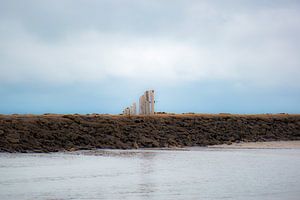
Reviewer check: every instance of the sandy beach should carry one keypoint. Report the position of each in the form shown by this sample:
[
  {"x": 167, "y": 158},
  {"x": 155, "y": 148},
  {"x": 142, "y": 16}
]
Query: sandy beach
[{"x": 261, "y": 145}]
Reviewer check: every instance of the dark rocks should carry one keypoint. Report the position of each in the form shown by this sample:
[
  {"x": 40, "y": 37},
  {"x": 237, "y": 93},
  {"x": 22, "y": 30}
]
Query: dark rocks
[
  {"x": 50, "y": 133},
  {"x": 13, "y": 138},
  {"x": 135, "y": 145}
]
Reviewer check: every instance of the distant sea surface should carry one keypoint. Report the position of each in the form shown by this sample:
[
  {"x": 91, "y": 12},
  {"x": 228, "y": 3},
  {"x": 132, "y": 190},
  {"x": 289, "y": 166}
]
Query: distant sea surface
[{"x": 197, "y": 173}]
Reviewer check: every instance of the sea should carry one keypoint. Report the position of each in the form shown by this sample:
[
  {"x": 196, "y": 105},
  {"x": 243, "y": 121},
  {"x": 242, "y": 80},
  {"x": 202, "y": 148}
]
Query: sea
[{"x": 192, "y": 173}]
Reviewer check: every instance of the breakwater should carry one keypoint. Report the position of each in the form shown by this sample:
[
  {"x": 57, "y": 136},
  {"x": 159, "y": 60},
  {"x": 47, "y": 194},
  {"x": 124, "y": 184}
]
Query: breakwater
[{"x": 50, "y": 133}]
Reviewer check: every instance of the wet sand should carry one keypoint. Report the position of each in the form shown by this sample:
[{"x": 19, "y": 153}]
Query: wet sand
[{"x": 260, "y": 145}]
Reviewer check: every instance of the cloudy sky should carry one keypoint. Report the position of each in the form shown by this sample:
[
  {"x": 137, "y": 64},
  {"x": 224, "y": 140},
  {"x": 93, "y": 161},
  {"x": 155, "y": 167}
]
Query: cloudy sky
[{"x": 98, "y": 56}]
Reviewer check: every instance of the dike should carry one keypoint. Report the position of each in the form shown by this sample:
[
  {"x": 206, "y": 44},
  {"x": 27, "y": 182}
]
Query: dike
[{"x": 51, "y": 133}]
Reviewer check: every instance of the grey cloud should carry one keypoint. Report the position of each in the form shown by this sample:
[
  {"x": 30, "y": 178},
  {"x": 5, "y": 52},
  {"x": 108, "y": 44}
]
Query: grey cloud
[
  {"x": 171, "y": 40},
  {"x": 171, "y": 18},
  {"x": 220, "y": 56}
]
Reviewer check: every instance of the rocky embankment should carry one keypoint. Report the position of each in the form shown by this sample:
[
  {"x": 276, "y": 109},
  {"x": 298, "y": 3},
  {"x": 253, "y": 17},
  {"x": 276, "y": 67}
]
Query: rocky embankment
[{"x": 50, "y": 133}]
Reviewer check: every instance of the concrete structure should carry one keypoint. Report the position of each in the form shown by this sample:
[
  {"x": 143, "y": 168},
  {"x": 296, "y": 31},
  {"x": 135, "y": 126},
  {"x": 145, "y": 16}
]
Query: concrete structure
[
  {"x": 126, "y": 111},
  {"x": 133, "y": 109},
  {"x": 147, "y": 103},
  {"x": 130, "y": 110}
]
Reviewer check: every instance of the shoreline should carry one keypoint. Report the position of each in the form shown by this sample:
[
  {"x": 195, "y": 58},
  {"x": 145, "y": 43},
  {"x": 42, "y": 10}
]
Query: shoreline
[{"x": 293, "y": 144}]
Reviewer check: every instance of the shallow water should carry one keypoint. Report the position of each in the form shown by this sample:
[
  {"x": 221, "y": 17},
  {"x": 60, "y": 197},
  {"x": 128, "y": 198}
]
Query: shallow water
[{"x": 199, "y": 173}]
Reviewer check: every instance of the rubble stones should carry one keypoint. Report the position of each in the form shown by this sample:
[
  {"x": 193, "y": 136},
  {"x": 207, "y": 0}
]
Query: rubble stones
[{"x": 51, "y": 133}]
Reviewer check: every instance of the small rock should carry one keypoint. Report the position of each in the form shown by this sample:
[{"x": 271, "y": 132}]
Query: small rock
[{"x": 135, "y": 145}]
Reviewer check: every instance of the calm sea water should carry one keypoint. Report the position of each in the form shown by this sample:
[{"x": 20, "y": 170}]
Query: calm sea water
[{"x": 153, "y": 174}]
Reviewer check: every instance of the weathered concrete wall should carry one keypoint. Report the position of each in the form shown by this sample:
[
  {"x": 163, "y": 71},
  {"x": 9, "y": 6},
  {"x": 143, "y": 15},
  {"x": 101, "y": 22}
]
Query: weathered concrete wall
[{"x": 47, "y": 133}]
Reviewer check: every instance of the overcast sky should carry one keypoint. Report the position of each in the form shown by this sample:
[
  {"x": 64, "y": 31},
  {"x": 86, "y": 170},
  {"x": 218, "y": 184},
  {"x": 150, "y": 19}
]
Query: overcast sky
[{"x": 98, "y": 56}]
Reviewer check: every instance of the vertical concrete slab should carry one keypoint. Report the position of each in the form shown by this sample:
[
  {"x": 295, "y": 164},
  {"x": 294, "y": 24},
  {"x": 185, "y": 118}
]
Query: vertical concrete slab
[
  {"x": 151, "y": 102},
  {"x": 134, "y": 109}
]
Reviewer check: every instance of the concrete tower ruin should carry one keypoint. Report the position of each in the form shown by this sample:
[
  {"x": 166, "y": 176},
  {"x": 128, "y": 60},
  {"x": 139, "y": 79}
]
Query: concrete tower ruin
[
  {"x": 130, "y": 110},
  {"x": 146, "y": 105}
]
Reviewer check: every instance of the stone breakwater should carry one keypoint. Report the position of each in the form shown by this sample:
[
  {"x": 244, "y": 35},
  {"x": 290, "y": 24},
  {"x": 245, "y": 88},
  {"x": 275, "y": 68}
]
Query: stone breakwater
[{"x": 50, "y": 133}]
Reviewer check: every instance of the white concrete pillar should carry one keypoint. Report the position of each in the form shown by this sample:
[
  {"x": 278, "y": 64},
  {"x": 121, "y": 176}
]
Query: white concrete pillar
[
  {"x": 147, "y": 103},
  {"x": 133, "y": 109},
  {"x": 152, "y": 102},
  {"x": 142, "y": 105}
]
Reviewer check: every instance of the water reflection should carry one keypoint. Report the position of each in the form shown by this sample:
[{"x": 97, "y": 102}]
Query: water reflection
[
  {"x": 147, "y": 184},
  {"x": 116, "y": 153}
]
